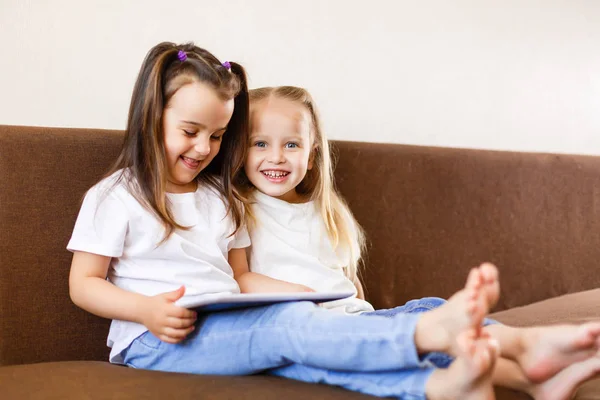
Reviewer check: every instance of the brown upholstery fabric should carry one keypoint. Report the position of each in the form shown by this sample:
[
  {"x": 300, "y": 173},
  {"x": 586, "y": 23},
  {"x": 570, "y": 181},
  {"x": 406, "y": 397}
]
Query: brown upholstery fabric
[
  {"x": 572, "y": 308},
  {"x": 100, "y": 380},
  {"x": 429, "y": 214},
  {"x": 44, "y": 174},
  {"x": 432, "y": 213}
]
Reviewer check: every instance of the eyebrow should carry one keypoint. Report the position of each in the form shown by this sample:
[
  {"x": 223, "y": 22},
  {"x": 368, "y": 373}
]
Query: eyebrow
[
  {"x": 198, "y": 124},
  {"x": 260, "y": 136}
]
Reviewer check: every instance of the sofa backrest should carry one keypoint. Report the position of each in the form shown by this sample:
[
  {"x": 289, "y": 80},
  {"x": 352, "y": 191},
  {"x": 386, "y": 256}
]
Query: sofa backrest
[
  {"x": 44, "y": 173},
  {"x": 432, "y": 213},
  {"x": 429, "y": 215}
]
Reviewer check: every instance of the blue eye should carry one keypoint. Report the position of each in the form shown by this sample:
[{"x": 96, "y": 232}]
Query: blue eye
[
  {"x": 260, "y": 144},
  {"x": 291, "y": 145}
]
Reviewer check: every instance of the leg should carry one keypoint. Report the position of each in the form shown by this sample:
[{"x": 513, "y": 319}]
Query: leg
[
  {"x": 541, "y": 352},
  {"x": 468, "y": 378},
  {"x": 402, "y": 384},
  {"x": 439, "y": 327},
  {"x": 417, "y": 306},
  {"x": 561, "y": 386},
  {"x": 252, "y": 340},
  {"x": 255, "y": 339},
  {"x": 425, "y": 304},
  {"x": 470, "y": 375}
]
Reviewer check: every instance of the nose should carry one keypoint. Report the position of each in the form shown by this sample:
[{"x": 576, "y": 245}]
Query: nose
[
  {"x": 276, "y": 155},
  {"x": 202, "y": 145}
]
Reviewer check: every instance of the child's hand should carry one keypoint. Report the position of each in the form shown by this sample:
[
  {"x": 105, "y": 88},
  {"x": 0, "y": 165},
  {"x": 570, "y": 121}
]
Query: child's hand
[{"x": 165, "y": 320}]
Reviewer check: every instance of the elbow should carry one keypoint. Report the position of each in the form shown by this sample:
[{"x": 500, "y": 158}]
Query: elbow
[
  {"x": 75, "y": 292},
  {"x": 73, "y": 295}
]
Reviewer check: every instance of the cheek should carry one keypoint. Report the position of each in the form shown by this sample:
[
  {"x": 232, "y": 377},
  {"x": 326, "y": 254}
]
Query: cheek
[
  {"x": 251, "y": 160},
  {"x": 172, "y": 145},
  {"x": 215, "y": 147},
  {"x": 304, "y": 159}
]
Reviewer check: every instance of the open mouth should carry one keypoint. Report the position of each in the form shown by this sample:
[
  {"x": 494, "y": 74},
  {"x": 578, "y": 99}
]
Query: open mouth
[
  {"x": 275, "y": 176},
  {"x": 191, "y": 163}
]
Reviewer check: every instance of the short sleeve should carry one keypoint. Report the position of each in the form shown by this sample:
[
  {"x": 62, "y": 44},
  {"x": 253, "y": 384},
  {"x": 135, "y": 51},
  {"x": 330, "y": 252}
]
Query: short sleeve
[
  {"x": 101, "y": 225},
  {"x": 241, "y": 239}
]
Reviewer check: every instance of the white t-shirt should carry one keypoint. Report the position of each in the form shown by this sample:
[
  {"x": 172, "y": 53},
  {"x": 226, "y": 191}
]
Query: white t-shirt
[
  {"x": 113, "y": 223},
  {"x": 290, "y": 243}
]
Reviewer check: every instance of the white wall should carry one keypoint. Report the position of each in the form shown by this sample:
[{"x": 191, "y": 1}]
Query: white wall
[{"x": 497, "y": 74}]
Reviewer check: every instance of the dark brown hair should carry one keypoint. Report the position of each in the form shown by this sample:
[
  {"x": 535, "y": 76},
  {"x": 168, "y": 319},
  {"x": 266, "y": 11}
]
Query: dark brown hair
[{"x": 142, "y": 156}]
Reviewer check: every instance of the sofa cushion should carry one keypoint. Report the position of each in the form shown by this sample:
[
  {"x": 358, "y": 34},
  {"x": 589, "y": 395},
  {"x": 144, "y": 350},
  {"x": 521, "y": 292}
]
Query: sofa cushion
[
  {"x": 96, "y": 380},
  {"x": 571, "y": 308},
  {"x": 101, "y": 380}
]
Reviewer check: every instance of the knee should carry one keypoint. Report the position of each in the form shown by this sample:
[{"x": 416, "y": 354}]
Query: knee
[
  {"x": 433, "y": 302},
  {"x": 424, "y": 304}
]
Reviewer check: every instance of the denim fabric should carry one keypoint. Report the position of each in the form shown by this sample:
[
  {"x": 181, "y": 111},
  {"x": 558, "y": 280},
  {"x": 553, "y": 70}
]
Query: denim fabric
[
  {"x": 439, "y": 360},
  {"x": 373, "y": 353},
  {"x": 253, "y": 340},
  {"x": 405, "y": 384}
]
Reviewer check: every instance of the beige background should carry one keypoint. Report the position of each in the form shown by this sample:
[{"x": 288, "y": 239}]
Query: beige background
[{"x": 497, "y": 74}]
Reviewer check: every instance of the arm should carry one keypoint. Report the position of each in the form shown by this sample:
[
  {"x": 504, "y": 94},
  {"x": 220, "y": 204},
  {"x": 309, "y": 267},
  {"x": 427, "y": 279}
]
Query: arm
[
  {"x": 90, "y": 290},
  {"x": 251, "y": 282}
]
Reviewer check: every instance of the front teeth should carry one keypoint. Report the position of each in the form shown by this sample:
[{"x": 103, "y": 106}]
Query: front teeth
[
  {"x": 191, "y": 160},
  {"x": 275, "y": 174}
]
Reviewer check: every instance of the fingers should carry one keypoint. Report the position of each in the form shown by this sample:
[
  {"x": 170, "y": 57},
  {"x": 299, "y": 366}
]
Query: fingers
[
  {"x": 173, "y": 335},
  {"x": 177, "y": 335},
  {"x": 180, "y": 312},
  {"x": 179, "y": 323},
  {"x": 174, "y": 295}
]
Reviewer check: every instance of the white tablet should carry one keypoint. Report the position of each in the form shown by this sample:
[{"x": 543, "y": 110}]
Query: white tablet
[{"x": 228, "y": 301}]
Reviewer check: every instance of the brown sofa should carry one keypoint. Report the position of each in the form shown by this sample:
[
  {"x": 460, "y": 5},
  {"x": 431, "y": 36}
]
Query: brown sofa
[{"x": 429, "y": 213}]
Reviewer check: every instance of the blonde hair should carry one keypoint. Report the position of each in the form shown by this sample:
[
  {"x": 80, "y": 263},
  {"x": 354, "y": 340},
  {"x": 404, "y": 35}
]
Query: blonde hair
[{"x": 318, "y": 185}]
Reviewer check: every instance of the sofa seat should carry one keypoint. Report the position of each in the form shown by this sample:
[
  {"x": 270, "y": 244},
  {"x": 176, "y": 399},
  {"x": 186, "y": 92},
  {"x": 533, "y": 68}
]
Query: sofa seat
[
  {"x": 97, "y": 379},
  {"x": 101, "y": 380}
]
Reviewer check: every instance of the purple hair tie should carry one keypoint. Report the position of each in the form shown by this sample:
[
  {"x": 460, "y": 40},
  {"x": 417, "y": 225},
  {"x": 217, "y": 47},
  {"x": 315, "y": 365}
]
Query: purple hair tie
[
  {"x": 181, "y": 55},
  {"x": 227, "y": 65}
]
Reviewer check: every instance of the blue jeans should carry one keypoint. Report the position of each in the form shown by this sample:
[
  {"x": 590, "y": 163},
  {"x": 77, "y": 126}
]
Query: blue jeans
[
  {"x": 405, "y": 384},
  {"x": 373, "y": 353}
]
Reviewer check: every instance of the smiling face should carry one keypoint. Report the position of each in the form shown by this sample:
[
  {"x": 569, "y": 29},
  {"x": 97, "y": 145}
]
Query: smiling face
[
  {"x": 280, "y": 147},
  {"x": 194, "y": 122}
]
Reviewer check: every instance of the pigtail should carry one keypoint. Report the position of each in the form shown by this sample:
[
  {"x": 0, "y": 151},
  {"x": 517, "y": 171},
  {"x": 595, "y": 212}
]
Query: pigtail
[
  {"x": 235, "y": 150},
  {"x": 166, "y": 68}
]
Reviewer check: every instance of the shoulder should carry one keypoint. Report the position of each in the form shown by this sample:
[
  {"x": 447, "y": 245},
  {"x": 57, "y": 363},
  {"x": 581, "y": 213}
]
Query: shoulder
[{"x": 115, "y": 188}]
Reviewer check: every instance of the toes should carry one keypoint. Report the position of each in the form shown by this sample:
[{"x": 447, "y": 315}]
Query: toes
[
  {"x": 489, "y": 272},
  {"x": 588, "y": 335},
  {"x": 494, "y": 347},
  {"x": 482, "y": 359},
  {"x": 593, "y": 328},
  {"x": 474, "y": 280}
]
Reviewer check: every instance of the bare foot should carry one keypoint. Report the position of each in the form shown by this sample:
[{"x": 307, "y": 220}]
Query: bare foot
[
  {"x": 564, "y": 384},
  {"x": 550, "y": 349},
  {"x": 490, "y": 282},
  {"x": 469, "y": 377},
  {"x": 437, "y": 329}
]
